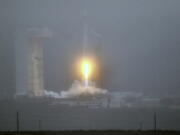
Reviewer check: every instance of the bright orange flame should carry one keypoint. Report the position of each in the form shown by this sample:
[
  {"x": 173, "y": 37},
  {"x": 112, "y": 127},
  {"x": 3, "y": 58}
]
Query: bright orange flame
[{"x": 86, "y": 68}]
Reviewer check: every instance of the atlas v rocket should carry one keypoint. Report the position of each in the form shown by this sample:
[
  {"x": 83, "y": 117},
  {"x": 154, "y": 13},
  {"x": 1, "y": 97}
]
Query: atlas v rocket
[{"x": 94, "y": 49}]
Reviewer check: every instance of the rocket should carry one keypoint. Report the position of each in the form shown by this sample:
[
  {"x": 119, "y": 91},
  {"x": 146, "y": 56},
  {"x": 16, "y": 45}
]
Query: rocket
[
  {"x": 85, "y": 34},
  {"x": 91, "y": 54}
]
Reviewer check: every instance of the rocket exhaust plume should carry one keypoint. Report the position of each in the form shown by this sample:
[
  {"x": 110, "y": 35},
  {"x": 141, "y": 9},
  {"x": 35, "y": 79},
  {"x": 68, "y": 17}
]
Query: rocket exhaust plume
[
  {"x": 85, "y": 87},
  {"x": 86, "y": 69}
]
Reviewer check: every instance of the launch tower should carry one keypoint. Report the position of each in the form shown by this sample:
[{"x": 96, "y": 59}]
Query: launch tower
[{"x": 29, "y": 61}]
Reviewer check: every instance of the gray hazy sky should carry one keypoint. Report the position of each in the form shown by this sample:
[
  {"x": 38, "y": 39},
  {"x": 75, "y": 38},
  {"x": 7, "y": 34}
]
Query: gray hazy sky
[{"x": 139, "y": 40}]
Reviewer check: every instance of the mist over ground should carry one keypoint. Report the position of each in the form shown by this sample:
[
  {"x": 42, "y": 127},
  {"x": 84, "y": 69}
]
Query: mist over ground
[{"x": 137, "y": 43}]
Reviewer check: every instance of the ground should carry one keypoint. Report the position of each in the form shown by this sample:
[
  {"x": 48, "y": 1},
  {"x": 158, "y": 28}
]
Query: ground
[{"x": 93, "y": 133}]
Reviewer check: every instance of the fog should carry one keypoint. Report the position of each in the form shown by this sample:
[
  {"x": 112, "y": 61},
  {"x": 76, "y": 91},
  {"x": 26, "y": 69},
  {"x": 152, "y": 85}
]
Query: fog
[{"x": 138, "y": 41}]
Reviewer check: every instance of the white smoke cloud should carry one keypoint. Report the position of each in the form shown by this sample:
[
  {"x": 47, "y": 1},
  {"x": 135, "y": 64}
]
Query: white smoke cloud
[
  {"x": 78, "y": 89},
  {"x": 52, "y": 94}
]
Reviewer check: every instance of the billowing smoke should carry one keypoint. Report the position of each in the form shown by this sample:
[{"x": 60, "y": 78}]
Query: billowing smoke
[
  {"x": 78, "y": 89},
  {"x": 49, "y": 93}
]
